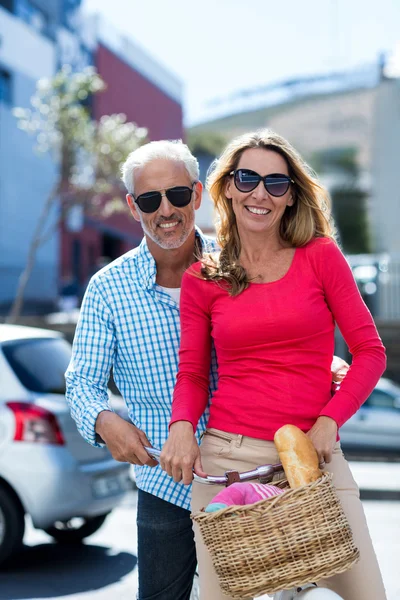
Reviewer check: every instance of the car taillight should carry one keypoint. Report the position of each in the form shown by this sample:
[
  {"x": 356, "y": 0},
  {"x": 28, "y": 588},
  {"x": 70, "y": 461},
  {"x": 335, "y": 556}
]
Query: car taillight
[{"x": 35, "y": 424}]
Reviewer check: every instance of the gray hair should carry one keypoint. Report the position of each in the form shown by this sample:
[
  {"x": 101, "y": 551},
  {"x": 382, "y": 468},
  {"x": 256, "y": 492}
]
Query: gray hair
[{"x": 174, "y": 150}]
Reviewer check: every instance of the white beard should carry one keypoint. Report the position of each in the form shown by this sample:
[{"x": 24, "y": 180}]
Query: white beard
[{"x": 174, "y": 243}]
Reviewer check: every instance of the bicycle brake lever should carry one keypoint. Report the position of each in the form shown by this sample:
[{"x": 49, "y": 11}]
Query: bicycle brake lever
[{"x": 263, "y": 473}]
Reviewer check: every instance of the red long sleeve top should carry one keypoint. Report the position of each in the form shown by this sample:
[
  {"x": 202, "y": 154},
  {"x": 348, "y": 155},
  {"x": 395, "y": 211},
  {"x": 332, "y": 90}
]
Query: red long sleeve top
[{"x": 274, "y": 345}]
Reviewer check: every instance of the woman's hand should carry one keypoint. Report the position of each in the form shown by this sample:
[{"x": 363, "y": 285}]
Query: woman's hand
[
  {"x": 181, "y": 453},
  {"x": 323, "y": 435},
  {"x": 339, "y": 368}
]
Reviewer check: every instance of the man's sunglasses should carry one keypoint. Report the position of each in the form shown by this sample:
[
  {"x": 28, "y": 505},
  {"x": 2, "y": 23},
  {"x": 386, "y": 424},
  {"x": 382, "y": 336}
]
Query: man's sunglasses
[
  {"x": 179, "y": 196},
  {"x": 246, "y": 180}
]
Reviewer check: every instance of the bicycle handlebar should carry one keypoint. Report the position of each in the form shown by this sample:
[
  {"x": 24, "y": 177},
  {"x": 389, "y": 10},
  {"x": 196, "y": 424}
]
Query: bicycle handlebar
[{"x": 264, "y": 473}]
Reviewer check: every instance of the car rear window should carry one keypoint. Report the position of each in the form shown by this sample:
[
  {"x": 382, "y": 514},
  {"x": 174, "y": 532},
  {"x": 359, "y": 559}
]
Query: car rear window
[{"x": 39, "y": 364}]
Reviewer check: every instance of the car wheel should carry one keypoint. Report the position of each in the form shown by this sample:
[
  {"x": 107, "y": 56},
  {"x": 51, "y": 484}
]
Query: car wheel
[
  {"x": 12, "y": 524},
  {"x": 75, "y": 530}
]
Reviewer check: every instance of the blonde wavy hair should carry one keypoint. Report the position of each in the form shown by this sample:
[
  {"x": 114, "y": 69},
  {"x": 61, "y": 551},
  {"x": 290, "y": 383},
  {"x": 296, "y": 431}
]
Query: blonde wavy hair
[{"x": 308, "y": 218}]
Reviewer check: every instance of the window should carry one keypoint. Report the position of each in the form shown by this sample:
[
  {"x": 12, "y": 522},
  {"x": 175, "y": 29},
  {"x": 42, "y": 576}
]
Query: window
[
  {"x": 5, "y": 87},
  {"x": 380, "y": 399},
  {"x": 39, "y": 363},
  {"x": 32, "y": 15},
  {"x": 7, "y": 4},
  {"x": 69, "y": 14}
]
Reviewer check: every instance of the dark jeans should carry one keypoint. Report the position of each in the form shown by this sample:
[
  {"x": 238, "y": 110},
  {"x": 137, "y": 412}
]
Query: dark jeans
[{"x": 166, "y": 550}]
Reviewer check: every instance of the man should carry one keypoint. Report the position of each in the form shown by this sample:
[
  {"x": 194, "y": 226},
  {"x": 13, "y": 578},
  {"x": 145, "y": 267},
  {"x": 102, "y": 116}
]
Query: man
[{"x": 130, "y": 321}]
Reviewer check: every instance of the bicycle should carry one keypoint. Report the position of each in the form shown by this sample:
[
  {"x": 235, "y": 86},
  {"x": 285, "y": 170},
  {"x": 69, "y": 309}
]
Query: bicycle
[{"x": 263, "y": 474}]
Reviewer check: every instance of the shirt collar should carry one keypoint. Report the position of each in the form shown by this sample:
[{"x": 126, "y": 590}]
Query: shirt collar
[{"x": 146, "y": 269}]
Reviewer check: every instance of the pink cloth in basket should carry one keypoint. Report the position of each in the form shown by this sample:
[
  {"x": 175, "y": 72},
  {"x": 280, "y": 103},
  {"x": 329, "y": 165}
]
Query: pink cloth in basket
[{"x": 243, "y": 493}]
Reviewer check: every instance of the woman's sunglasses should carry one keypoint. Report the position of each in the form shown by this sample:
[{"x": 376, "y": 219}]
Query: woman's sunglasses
[
  {"x": 179, "y": 196},
  {"x": 246, "y": 180}
]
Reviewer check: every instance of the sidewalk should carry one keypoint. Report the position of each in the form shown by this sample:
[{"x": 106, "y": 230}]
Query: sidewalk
[{"x": 377, "y": 480}]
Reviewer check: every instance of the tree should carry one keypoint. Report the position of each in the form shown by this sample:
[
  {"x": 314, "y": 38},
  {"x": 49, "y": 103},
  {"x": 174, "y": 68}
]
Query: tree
[
  {"x": 349, "y": 200},
  {"x": 88, "y": 154},
  {"x": 206, "y": 142},
  {"x": 349, "y": 210}
]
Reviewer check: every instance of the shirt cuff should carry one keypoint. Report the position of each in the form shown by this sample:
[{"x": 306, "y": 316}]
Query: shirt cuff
[
  {"x": 178, "y": 417},
  {"x": 333, "y": 413},
  {"x": 88, "y": 421}
]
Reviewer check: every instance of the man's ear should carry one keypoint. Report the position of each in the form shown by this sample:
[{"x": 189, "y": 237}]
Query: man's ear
[
  {"x": 132, "y": 207},
  {"x": 198, "y": 190}
]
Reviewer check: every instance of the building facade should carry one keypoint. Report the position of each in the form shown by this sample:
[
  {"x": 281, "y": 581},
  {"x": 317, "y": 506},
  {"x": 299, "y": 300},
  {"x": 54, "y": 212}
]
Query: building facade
[
  {"x": 355, "y": 111},
  {"x": 139, "y": 87},
  {"x": 25, "y": 178},
  {"x": 354, "y": 114},
  {"x": 54, "y": 33}
]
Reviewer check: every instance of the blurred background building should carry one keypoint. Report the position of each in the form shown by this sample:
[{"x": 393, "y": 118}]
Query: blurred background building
[
  {"x": 347, "y": 126},
  {"x": 36, "y": 39},
  {"x": 28, "y": 52},
  {"x": 310, "y": 84}
]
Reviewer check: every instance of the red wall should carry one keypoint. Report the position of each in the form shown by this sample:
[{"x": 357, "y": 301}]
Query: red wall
[
  {"x": 131, "y": 93},
  {"x": 144, "y": 103}
]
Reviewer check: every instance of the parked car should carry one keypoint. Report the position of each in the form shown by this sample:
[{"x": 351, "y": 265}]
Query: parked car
[
  {"x": 376, "y": 425},
  {"x": 47, "y": 470}
]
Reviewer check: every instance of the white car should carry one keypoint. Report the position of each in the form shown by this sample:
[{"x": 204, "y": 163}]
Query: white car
[
  {"x": 47, "y": 470},
  {"x": 375, "y": 428}
]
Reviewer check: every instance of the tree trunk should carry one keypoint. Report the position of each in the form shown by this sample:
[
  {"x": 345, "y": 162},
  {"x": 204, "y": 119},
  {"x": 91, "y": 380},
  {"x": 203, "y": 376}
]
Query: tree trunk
[{"x": 36, "y": 241}]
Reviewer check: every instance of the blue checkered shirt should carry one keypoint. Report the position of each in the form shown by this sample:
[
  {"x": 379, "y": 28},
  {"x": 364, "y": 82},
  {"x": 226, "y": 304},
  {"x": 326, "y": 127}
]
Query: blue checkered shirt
[{"x": 129, "y": 323}]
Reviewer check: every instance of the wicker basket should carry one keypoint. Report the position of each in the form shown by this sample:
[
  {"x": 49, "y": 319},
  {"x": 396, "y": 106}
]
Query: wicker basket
[{"x": 298, "y": 537}]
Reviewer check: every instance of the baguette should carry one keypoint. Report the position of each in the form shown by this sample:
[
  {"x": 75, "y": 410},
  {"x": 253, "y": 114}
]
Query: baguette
[{"x": 297, "y": 455}]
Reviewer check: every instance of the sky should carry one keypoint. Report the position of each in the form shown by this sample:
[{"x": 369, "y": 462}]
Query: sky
[{"x": 218, "y": 47}]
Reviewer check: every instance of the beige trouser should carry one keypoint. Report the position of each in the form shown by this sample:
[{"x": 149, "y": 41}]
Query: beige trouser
[{"x": 222, "y": 451}]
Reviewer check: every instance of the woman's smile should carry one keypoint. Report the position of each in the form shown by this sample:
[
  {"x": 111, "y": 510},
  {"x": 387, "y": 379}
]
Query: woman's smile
[{"x": 257, "y": 210}]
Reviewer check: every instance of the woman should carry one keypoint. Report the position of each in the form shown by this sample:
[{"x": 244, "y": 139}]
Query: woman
[{"x": 270, "y": 302}]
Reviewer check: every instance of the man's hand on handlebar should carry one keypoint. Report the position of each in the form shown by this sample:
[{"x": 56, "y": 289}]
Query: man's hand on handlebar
[
  {"x": 339, "y": 368},
  {"x": 181, "y": 453},
  {"x": 125, "y": 441}
]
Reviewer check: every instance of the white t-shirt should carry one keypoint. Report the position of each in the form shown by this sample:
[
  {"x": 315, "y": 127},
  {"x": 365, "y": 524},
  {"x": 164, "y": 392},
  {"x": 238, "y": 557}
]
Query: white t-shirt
[{"x": 175, "y": 293}]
